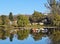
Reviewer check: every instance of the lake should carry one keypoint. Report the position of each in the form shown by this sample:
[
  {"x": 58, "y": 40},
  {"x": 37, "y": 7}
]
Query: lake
[{"x": 28, "y": 37}]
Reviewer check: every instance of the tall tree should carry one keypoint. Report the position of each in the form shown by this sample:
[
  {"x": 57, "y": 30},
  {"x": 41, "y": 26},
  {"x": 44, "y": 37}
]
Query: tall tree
[
  {"x": 53, "y": 6},
  {"x": 11, "y": 16}
]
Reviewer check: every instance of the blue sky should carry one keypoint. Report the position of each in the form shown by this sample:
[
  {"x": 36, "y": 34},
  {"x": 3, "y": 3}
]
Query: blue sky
[{"x": 22, "y": 6}]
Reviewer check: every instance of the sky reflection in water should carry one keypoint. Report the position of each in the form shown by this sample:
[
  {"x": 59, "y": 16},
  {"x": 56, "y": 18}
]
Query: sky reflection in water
[{"x": 29, "y": 40}]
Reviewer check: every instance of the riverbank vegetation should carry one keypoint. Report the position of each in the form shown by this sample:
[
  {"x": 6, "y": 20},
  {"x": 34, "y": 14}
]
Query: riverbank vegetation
[{"x": 36, "y": 19}]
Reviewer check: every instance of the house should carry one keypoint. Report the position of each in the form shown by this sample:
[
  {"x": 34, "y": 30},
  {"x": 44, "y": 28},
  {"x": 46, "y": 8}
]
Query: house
[
  {"x": 14, "y": 23},
  {"x": 41, "y": 23},
  {"x": 46, "y": 20},
  {"x": 34, "y": 23}
]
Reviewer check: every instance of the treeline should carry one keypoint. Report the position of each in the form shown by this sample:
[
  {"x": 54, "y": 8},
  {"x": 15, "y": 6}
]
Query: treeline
[
  {"x": 36, "y": 17},
  {"x": 21, "y": 20},
  {"x": 52, "y": 18}
]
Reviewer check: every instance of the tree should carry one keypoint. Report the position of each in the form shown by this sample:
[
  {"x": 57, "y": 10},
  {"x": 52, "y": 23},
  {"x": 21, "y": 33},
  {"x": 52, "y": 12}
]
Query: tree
[
  {"x": 53, "y": 6},
  {"x": 11, "y": 16},
  {"x": 22, "y": 20},
  {"x": 4, "y": 19},
  {"x": 55, "y": 20},
  {"x": 36, "y": 17},
  {"x": 0, "y": 21},
  {"x": 7, "y": 21}
]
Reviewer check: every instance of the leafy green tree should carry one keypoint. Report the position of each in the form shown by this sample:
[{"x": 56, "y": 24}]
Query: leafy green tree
[
  {"x": 54, "y": 7},
  {"x": 22, "y": 20},
  {"x": 0, "y": 21},
  {"x": 55, "y": 20},
  {"x": 11, "y": 16},
  {"x": 36, "y": 16},
  {"x": 7, "y": 21},
  {"x": 4, "y": 19}
]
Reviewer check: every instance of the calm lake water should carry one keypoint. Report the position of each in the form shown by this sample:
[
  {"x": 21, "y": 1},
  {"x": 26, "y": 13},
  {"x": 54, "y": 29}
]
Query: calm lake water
[
  {"x": 28, "y": 40},
  {"x": 28, "y": 37}
]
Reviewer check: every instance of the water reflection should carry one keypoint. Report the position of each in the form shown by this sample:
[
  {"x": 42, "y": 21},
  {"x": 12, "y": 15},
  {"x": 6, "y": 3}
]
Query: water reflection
[
  {"x": 55, "y": 37},
  {"x": 2, "y": 34},
  {"x": 37, "y": 36},
  {"x": 30, "y": 36},
  {"x": 22, "y": 34},
  {"x": 11, "y": 37}
]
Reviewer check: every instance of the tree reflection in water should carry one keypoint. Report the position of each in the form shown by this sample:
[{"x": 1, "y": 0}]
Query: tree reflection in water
[
  {"x": 37, "y": 36},
  {"x": 2, "y": 33},
  {"x": 11, "y": 37},
  {"x": 55, "y": 37},
  {"x": 23, "y": 34}
]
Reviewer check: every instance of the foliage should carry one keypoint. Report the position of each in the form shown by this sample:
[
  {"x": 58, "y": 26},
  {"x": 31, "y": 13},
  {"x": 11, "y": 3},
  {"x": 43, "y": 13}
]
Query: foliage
[
  {"x": 55, "y": 37},
  {"x": 22, "y": 34},
  {"x": 4, "y": 19},
  {"x": 0, "y": 21},
  {"x": 55, "y": 20},
  {"x": 53, "y": 6},
  {"x": 22, "y": 20},
  {"x": 36, "y": 16},
  {"x": 11, "y": 16},
  {"x": 2, "y": 34}
]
